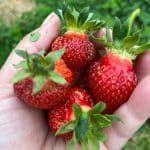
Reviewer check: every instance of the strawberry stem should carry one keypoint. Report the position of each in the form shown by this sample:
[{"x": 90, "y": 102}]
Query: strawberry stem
[
  {"x": 131, "y": 20},
  {"x": 125, "y": 43}
]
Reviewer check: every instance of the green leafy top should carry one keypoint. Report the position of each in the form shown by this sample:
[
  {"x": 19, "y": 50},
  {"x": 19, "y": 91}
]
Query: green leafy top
[
  {"x": 87, "y": 127},
  {"x": 79, "y": 21},
  {"x": 39, "y": 67},
  {"x": 124, "y": 38}
]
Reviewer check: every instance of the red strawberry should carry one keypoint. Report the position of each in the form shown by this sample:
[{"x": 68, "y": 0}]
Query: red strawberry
[
  {"x": 42, "y": 80},
  {"x": 112, "y": 78},
  {"x": 79, "y": 51},
  {"x": 63, "y": 114},
  {"x": 77, "y": 119}
]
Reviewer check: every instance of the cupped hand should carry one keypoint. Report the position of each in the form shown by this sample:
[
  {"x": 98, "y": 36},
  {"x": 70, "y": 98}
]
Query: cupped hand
[{"x": 22, "y": 127}]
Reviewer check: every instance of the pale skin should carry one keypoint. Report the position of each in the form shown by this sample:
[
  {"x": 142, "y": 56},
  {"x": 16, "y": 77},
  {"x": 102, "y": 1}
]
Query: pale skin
[{"x": 25, "y": 128}]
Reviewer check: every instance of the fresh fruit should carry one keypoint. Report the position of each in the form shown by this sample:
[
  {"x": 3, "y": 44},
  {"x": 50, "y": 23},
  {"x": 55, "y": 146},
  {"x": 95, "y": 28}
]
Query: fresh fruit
[
  {"x": 79, "y": 120},
  {"x": 112, "y": 78},
  {"x": 79, "y": 51},
  {"x": 42, "y": 81},
  {"x": 63, "y": 114}
]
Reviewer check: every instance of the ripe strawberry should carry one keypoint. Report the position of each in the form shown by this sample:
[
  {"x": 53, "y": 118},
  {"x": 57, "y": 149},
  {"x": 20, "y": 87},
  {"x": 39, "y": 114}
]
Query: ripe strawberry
[
  {"x": 77, "y": 119},
  {"x": 112, "y": 78},
  {"x": 43, "y": 81},
  {"x": 79, "y": 51},
  {"x": 63, "y": 114}
]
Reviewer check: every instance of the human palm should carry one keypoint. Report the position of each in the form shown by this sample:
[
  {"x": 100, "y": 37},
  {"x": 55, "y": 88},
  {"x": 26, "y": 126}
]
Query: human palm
[{"x": 22, "y": 127}]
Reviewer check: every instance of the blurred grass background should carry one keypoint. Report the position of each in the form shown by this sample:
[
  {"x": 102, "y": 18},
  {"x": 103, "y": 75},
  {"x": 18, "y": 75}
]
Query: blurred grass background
[{"x": 19, "y": 17}]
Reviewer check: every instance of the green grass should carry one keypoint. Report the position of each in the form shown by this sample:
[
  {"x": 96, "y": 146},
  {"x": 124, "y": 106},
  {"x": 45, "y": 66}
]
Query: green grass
[
  {"x": 141, "y": 140},
  {"x": 105, "y": 9},
  {"x": 10, "y": 35}
]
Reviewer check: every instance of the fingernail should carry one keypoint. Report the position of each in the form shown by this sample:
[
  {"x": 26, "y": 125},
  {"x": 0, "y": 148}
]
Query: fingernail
[{"x": 48, "y": 19}]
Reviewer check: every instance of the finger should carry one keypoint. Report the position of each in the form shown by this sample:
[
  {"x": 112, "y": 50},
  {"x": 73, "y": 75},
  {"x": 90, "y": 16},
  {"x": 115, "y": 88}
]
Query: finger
[
  {"x": 50, "y": 142},
  {"x": 48, "y": 31},
  {"x": 60, "y": 144},
  {"x": 57, "y": 143},
  {"x": 78, "y": 147},
  {"x": 101, "y": 33},
  {"x": 142, "y": 66},
  {"x": 102, "y": 147},
  {"x": 133, "y": 114}
]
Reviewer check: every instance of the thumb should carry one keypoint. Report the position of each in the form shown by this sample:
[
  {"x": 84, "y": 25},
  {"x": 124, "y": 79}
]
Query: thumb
[{"x": 47, "y": 32}]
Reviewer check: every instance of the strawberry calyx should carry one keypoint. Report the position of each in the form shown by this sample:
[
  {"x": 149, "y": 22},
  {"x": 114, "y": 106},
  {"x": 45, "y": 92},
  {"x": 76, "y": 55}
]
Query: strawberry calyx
[
  {"x": 125, "y": 40},
  {"x": 87, "y": 126},
  {"x": 79, "y": 21},
  {"x": 69, "y": 34},
  {"x": 40, "y": 67}
]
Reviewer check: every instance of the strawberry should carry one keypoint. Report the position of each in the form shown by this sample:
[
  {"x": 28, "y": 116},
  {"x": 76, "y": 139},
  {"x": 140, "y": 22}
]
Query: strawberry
[
  {"x": 42, "y": 81},
  {"x": 79, "y": 51},
  {"x": 112, "y": 78},
  {"x": 79, "y": 120}
]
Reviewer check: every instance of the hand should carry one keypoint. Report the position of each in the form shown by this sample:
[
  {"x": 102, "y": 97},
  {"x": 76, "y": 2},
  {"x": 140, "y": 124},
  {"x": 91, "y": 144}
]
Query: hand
[{"x": 22, "y": 127}]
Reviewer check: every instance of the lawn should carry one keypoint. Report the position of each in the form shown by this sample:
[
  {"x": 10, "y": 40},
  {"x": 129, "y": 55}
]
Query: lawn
[{"x": 12, "y": 30}]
